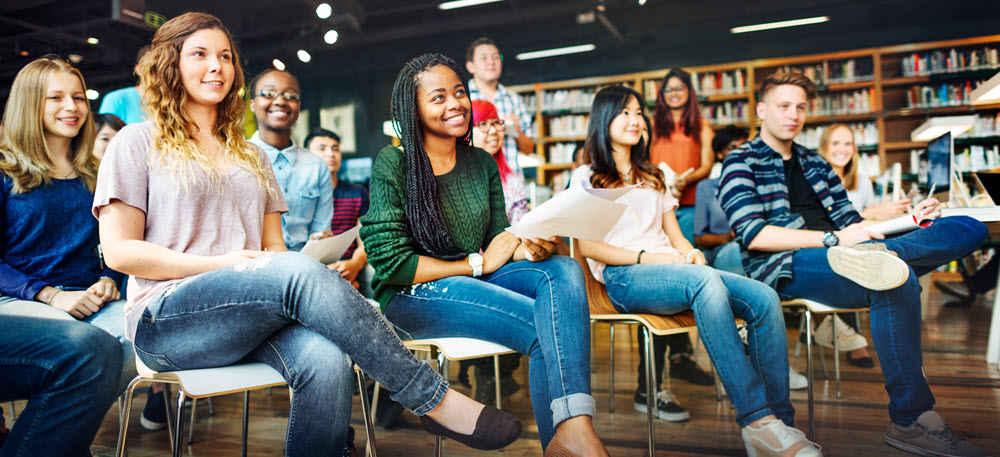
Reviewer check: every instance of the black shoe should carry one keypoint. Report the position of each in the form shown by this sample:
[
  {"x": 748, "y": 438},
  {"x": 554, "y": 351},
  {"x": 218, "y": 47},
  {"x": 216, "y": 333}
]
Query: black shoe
[
  {"x": 863, "y": 362},
  {"x": 689, "y": 371},
  {"x": 463, "y": 373},
  {"x": 955, "y": 289},
  {"x": 495, "y": 429},
  {"x": 349, "y": 449},
  {"x": 667, "y": 407},
  {"x": 509, "y": 386},
  {"x": 154, "y": 414}
]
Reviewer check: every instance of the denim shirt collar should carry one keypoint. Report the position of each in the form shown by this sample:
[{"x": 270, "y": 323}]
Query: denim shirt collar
[{"x": 273, "y": 153}]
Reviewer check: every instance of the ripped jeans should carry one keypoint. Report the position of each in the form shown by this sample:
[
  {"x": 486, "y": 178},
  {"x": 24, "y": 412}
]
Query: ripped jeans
[{"x": 303, "y": 319}]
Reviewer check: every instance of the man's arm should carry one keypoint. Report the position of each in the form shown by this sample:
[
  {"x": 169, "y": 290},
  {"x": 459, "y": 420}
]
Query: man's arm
[{"x": 525, "y": 134}]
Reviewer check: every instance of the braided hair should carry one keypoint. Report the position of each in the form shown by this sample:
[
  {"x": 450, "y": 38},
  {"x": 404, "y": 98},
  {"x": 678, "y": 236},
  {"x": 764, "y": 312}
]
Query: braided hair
[{"x": 423, "y": 207}]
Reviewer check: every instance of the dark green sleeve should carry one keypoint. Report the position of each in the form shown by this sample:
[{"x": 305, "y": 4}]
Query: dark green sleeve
[
  {"x": 384, "y": 229},
  {"x": 498, "y": 209}
]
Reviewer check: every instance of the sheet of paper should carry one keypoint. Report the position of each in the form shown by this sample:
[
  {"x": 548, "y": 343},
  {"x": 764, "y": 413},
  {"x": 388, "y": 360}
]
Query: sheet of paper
[
  {"x": 898, "y": 225},
  {"x": 585, "y": 214},
  {"x": 330, "y": 250}
]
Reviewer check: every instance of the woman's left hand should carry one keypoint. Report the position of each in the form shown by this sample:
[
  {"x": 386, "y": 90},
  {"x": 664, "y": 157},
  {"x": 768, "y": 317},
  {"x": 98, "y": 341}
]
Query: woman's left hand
[
  {"x": 698, "y": 258},
  {"x": 105, "y": 289},
  {"x": 537, "y": 249},
  {"x": 928, "y": 209}
]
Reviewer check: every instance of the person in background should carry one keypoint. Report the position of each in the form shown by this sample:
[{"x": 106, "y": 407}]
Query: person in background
[
  {"x": 682, "y": 140},
  {"x": 489, "y": 135},
  {"x": 69, "y": 373},
  {"x": 802, "y": 236},
  {"x": 484, "y": 62},
  {"x": 107, "y": 126},
  {"x": 350, "y": 202},
  {"x": 649, "y": 267},
  {"x": 711, "y": 228},
  {"x": 304, "y": 178},
  {"x": 190, "y": 209},
  {"x": 446, "y": 267},
  {"x": 126, "y": 103}
]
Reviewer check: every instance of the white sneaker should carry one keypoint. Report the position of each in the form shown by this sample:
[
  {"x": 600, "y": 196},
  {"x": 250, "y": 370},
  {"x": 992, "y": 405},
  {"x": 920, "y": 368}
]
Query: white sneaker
[
  {"x": 871, "y": 265},
  {"x": 847, "y": 338},
  {"x": 774, "y": 438},
  {"x": 796, "y": 380}
]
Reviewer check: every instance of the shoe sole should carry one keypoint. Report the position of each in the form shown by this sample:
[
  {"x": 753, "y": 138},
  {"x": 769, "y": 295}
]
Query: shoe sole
[
  {"x": 669, "y": 417},
  {"x": 874, "y": 270},
  {"x": 152, "y": 426},
  {"x": 913, "y": 449}
]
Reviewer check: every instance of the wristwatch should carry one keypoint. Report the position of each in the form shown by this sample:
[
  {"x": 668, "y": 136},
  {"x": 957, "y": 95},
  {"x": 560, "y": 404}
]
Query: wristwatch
[
  {"x": 830, "y": 239},
  {"x": 476, "y": 262}
]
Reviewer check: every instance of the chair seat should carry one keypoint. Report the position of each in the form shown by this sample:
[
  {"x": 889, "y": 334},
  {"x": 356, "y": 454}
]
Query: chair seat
[
  {"x": 819, "y": 308},
  {"x": 459, "y": 348},
  {"x": 210, "y": 382}
]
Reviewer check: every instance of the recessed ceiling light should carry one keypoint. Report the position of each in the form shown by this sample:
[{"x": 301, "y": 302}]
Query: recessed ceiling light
[
  {"x": 324, "y": 10},
  {"x": 463, "y": 4},
  {"x": 93, "y": 40},
  {"x": 278, "y": 64},
  {"x": 92, "y": 94},
  {"x": 304, "y": 56},
  {"x": 555, "y": 52},
  {"x": 331, "y": 36},
  {"x": 779, "y": 24}
]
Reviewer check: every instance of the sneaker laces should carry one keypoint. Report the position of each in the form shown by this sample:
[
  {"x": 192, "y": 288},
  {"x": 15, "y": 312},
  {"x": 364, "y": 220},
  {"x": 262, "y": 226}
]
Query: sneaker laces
[
  {"x": 781, "y": 431},
  {"x": 666, "y": 397},
  {"x": 874, "y": 247},
  {"x": 946, "y": 435}
]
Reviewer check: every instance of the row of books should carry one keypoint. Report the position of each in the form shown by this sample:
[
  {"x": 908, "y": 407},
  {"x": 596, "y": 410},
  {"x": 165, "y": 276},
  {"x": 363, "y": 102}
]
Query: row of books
[
  {"x": 568, "y": 100},
  {"x": 985, "y": 125},
  {"x": 568, "y": 125},
  {"x": 952, "y": 60},
  {"x": 562, "y": 153},
  {"x": 708, "y": 83},
  {"x": 836, "y": 72},
  {"x": 939, "y": 95},
  {"x": 731, "y": 112},
  {"x": 865, "y": 135},
  {"x": 857, "y": 102},
  {"x": 977, "y": 158}
]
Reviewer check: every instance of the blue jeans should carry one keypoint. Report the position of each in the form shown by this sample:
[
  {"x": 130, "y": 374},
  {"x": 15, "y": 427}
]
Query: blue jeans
[
  {"x": 758, "y": 387},
  {"x": 536, "y": 308},
  {"x": 895, "y": 313},
  {"x": 68, "y": 371},
  {"x": 110, "y": 318},
  {"x": 685, "y": 219},
  {"x": 303, "y": 319},
  {"x": 727, "y": 258}
]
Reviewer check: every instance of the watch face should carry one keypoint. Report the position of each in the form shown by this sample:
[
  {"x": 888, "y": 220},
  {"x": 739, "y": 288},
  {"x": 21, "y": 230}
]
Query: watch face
[{"x": 475, "y": 260}]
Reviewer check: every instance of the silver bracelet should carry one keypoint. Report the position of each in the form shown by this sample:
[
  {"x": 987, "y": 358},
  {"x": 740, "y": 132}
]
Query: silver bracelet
[{"x": 690, "y": 255}]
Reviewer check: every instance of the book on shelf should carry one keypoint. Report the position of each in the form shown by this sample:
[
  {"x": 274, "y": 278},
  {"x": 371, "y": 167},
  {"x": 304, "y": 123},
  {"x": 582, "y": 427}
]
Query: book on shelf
[
  {"x": 838, "y": 72},
  {"x": 939, "y": 95},
  {"x": 949, "y": 61}
]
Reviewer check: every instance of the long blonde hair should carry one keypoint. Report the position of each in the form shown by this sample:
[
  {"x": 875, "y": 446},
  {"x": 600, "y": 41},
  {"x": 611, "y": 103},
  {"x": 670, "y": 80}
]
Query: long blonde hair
[
  {"x": 164, "y": 99},
  {"x": 850, "y": 178},
  {"x": 24, "y": 154}
]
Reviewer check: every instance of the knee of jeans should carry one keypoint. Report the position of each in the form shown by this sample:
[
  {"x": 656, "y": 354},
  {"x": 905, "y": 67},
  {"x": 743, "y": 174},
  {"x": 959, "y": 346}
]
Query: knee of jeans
[
  {"x": 565, "y": 269},
  {"x": 710, "y": 289},
  {"x": 95, "y": 348}
]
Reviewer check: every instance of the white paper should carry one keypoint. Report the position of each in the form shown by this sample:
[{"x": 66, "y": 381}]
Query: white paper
[
  {"x": 330, "y": 250},
  {"x": 898, "y": 225},
  {"x": 585, "y": 214}
]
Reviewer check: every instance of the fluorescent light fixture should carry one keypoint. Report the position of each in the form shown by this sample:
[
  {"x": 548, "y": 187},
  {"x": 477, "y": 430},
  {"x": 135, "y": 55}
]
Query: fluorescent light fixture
[
  {"x": 464, "y": 3},
  {"x": 555, "y": 52},
  {"x": 324, "y": 10},
  {"x": 388, "y": 130},
  {"x": 92, "y": 94},
  {"x": 779, "y": 24},
  {"x": 642, "y": 2},
  {"x": 93, "y": 40},
  {"x": 987, "y": 92},
  {"x": 278, "y": 64},
  {"x": 331, "y": 36},
  {"x": 937, "y": 126},
  {"x": 304, "y": 56}
]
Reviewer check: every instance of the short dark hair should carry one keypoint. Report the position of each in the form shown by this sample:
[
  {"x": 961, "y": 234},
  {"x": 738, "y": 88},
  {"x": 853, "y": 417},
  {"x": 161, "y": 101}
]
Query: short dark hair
[
  {"x": 142, "y": 51},
  {"x": 791, "y": 78},
  {"x": 100, "y": 120},
  {"x": 726, "y": 135},
  {"x": 256, "y": 79},
  {"x": 320, "y": 132},
  {"x": 471, "y": 51}
]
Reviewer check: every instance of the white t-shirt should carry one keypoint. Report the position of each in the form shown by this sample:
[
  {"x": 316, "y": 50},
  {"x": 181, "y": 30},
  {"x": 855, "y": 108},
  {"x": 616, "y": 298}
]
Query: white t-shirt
[
  {"x": 641, "y": 226},
  {"x": 863, "y": 194}
]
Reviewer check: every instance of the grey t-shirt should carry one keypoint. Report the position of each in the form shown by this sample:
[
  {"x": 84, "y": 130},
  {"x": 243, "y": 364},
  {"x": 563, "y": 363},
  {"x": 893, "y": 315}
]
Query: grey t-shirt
[{"x": 202, "y": 219}]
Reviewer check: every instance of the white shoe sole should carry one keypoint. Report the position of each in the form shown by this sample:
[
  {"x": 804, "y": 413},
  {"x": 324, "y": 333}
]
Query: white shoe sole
[
  {"x": 150, "y": 425},
  {"x": 669, "y": 417},
  {"x": 875, "y": 270}
]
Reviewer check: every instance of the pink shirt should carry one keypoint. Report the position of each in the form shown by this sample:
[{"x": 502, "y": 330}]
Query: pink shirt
[{"x": 641, "y": 226}]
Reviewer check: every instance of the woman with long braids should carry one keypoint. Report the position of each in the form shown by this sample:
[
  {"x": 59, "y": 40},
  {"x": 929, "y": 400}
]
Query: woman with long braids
[
  {"x": 188, "y": 208},
  {"x": 445, "y": 266},
  {"x": 649, "y": 267}
]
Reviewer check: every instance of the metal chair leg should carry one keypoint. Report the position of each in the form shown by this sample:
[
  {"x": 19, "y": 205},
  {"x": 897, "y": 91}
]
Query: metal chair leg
[
  {"x": 369, "y": 423},
  {"x": 443, "y": 369},
  {"x": 246, "y": 420},
  {"x": 611, "y": 372},
  {"x": 798, "y": 342},
  {"x": 836, "y": 354},
  {"x": 170, "y": 423},
  {"x": 13, "y": 411},
  {"x": 375, "y": 392},
  {"x": 651, "y": 406},
  {"x": 496, "y": 377},
  {"x": 194, "y": 410},
  {"x": 211, "y": 408},
  {"x": 822, "y": 360},
  {"x": 179, "y": 425},
  {"x": 715, "y": 381},
  {"x": 809, "y": 368},
  {"x": 123, "y": 429}
]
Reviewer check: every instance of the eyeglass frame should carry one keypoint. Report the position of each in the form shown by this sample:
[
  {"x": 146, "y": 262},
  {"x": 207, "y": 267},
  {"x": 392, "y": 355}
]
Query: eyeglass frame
[
  {"x": 669, "y": 90},
  {"x": 497, "y": 124},
  {"x": 287, "y": 95}
]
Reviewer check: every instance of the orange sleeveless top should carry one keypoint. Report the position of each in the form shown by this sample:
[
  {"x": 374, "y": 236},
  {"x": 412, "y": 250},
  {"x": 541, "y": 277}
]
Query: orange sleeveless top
[{"x": 681, "y": 153}]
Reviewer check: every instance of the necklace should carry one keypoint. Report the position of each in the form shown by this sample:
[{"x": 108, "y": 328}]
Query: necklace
[
  {"x": 627, "y": 176},
  {"x": 72, "y": 171}
]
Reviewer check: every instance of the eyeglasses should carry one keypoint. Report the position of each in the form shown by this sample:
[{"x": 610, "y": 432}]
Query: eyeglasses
[
  {"x": 272, "y": 94},
  {"x": 670, "y": 90},
  {"x": 484, "y": 126}
]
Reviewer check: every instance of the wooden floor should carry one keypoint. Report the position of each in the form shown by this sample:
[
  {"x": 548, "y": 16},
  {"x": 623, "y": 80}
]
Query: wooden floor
[{"x": 954, "y": 339}]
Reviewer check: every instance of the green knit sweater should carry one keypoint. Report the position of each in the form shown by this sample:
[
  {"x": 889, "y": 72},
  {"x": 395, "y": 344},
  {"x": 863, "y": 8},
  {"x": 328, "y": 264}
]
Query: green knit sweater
[{"x": 471, "y": 202}]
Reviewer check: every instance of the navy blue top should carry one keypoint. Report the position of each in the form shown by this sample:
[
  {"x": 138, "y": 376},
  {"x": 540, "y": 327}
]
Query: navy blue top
[
  {"x": 709, "y": 217},
  {"x": 48, "y": 237}
]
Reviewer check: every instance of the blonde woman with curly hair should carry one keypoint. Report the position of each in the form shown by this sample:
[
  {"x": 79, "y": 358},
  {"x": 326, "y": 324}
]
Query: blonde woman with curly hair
[
  {"x": 50, "y": 266},
  {"x": 192, "y": 211}
]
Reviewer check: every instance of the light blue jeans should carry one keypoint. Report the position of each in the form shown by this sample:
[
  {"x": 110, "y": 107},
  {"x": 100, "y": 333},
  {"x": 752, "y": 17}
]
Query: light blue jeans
[
  {"x": 685, "y": 219},
  {"x": 757, "y": 387},
  {"x": 538, "y": 309},
  {"x": 294, "y": 314},
  {"x": 110, "y": 318}
]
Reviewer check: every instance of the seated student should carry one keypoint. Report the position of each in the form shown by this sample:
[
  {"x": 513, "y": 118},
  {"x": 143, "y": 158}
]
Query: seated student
[
  {"x": 126, "y": 103},
  {"x": 649, "y": 267},
  {"x": 350, "y": 202},
  {"x": 437, "y": 218},
  {"x": 801, "y": 236},
  {"x": 107, "y": 126},
  {"x": 711, "y": 228},
  {"x": 51, "y": 266},
  {"x": 303, "y": 178},
  {"x": 190, "y": 209},
  {"x": 69, "y": 373}
]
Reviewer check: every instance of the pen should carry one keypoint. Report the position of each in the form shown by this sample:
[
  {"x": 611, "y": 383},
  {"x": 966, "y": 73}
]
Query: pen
[{"x": 929, "y": 195}]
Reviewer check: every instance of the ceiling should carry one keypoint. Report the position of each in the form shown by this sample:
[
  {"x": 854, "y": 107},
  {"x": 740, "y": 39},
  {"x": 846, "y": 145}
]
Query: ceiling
[{"x": 379, "y": 35}]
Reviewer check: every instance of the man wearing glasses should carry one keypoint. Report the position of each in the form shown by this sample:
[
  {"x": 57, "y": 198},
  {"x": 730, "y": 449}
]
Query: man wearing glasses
[{"x": 304, "y": 178}]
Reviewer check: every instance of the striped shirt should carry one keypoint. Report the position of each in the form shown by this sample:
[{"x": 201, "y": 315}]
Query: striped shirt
[
  {"x": 350, "y": 202},
  {"x": 507, "y": 103},
  {"x": 754, "y": 194}
]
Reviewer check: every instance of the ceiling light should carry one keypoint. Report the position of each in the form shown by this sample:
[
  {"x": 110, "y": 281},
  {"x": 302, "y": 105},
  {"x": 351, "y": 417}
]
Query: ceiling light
[
  {"x": 324, "y": 10},
  {"x": 937, "y": 126},
  {"x": 93, "y": 40},
  {"x": 642, "y": 2},
  {"x": 331, "y": 36},
  {"x": 555, "y": 52},
  {"x": 92, "y": 94},
  {"x": 278, "y": 64},
  {"x": 779, "y": 24},
  {"x": 304, "y": 56},
  {"x": 987, "y": 92},
  {"x": 463, "y": 4}
]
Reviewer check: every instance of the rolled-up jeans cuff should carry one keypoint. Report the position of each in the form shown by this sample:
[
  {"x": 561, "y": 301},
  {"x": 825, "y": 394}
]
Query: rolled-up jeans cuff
[
  {"x": 424, "y": 391},
  {"x": 572, "y": 405},
  {"x": 755, "y": 416}
]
